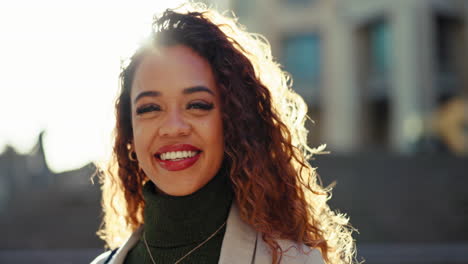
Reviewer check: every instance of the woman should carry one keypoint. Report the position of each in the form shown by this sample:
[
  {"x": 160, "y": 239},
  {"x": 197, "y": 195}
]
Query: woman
[{"x": 211, "y": 155}]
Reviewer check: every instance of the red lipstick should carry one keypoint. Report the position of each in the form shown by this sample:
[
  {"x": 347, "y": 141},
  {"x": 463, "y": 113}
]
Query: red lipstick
[{"x": 176, "y": 165}]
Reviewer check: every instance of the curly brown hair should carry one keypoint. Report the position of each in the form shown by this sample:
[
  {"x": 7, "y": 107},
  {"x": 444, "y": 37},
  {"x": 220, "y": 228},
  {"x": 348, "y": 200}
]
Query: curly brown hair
[{"x": 277, "y": 191}]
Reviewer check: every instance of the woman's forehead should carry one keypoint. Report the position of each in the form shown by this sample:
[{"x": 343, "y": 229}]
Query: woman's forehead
[
  {"x": 173, "y": 67},
  {"x": 179, "y": 55}
]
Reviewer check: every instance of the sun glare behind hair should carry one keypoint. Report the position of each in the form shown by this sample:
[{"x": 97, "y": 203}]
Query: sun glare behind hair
[{"x": 60, "y": 65}]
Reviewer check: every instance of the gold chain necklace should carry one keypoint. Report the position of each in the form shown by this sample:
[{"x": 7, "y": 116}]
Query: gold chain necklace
[{"x": 190, "y": 252}]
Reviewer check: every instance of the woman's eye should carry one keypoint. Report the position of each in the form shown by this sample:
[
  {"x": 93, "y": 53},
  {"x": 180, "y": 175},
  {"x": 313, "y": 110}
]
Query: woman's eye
[
  {"x": 200, "y": 106},
  {"x": 147, "y": 108}
]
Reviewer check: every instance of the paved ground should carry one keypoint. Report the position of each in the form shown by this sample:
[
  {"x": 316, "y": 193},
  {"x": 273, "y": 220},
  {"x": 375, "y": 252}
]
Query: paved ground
[
  {"x": 372, "y": 253},
  {"x": 71, "y": 256}
]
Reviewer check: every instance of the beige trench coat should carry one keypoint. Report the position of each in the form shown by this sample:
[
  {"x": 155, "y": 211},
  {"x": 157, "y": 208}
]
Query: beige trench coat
[{"x": 241, "y": 244}]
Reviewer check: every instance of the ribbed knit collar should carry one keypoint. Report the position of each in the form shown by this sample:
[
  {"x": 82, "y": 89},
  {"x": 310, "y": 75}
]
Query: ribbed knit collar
[{"x": 172, "y": 221}]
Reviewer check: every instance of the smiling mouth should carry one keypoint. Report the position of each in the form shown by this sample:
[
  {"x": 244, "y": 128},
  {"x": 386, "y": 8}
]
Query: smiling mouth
[
  {"x": 177, "y": 155},
  {"x": 177, "y": 161}
]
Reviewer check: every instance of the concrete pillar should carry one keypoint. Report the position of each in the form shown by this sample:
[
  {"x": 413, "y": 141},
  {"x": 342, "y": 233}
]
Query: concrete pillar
[
  {"x": 261, "y": 20},
  {"x": 407, "y": 103},
  {"x": 340, "y": 96},
  {"x": 220, "y": 5},
  {"x": 464, "y": 5},
  {"x": 427, "y": 63},
  {"x": 465, "y": 71}
]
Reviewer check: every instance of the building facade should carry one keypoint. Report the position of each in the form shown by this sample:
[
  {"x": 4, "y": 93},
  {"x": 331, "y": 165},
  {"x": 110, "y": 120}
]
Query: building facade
[{"x": 375, "y": 73}]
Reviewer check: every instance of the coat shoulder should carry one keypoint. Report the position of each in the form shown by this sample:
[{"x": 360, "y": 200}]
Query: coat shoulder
[
  {"x": 293, "y": 253},
  {"x": 314, "y": 257},
  {"x": 117, "y": 256},
  {"x": 101, "y": 258},
  {"x": 300, "y": 253}
]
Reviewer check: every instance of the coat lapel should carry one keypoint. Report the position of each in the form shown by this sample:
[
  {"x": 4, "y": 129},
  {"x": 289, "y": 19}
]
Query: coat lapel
[
  {"x": 241, "y": 244},
  {"x": 122, "y": 252},
  {"x": 239, "y": 241}
]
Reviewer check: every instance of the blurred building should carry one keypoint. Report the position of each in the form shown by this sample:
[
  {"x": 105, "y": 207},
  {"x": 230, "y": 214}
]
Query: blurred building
[
  {"x": 19, "y": 173},
  {"x": 386, "y": 77},
  {"x": 38, "y": 206},
  {"x": 26, "y": 173},
  {"x": 374, "y": 72}
]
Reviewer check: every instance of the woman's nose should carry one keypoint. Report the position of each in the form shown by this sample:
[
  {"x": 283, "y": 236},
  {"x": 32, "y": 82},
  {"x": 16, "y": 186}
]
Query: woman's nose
[{"x": 174, "y": 125}]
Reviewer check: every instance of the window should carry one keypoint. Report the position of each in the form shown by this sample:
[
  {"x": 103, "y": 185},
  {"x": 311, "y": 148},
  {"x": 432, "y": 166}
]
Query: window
[
  {"x": 379, "y": 41},
  {"x": 374, "y": 58},
  {"x": 301, "y": 58},
  {"x": 380, "y": 48},
  {"x": 449, "y": 50}
]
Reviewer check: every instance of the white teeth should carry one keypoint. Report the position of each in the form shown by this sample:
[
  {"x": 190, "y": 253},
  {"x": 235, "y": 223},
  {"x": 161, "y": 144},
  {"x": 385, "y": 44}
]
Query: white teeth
[{"x": 177, "y": 155}]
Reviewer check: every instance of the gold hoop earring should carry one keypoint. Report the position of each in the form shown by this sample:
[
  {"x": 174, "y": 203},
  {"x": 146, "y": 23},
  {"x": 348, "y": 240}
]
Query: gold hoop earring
[{"x": 132, "y": 156}]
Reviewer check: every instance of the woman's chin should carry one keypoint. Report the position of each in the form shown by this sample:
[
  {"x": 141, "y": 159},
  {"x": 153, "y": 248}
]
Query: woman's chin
[{"x": 182, "y": 186}]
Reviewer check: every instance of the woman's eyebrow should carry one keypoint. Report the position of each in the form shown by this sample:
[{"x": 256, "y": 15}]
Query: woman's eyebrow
[
  {"x": 146, "y": 94},
  {"x": 199, "y": 88},
  {"x": 189, "y": 90}
]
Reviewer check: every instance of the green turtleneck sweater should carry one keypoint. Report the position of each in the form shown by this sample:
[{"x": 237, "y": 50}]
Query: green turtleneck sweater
[{"x": 174, "y": 225}]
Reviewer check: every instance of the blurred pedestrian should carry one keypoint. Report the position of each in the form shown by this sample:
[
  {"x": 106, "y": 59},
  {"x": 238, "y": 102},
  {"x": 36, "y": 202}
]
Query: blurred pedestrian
[{"x": 450, "y": 124}]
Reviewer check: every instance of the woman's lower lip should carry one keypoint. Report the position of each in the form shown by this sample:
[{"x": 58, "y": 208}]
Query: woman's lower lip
[{"x": 176, "y": 165}]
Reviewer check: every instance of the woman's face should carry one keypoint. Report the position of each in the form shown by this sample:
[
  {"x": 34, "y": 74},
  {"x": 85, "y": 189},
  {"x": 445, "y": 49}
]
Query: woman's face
[{"x": 176, "y": 120}]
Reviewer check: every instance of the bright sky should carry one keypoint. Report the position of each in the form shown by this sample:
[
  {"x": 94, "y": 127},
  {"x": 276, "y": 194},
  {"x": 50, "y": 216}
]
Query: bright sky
[{"x": 59, "y": 62}]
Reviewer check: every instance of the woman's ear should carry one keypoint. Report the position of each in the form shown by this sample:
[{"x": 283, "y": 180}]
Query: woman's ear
[{"x": 131, "y": 151}]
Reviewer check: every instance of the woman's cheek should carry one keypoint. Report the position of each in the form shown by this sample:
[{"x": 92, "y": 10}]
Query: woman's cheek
[{"x": 142, "y": 134}]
